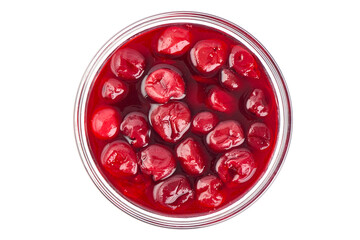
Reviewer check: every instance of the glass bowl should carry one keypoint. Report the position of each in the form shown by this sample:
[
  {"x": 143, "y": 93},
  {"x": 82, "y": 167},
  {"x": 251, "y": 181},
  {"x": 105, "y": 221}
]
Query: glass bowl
[{"x": 279, "y": 88}]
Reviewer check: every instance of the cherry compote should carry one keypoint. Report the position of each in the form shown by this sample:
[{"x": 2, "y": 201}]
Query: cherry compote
[{"x": 182, "y": 120}]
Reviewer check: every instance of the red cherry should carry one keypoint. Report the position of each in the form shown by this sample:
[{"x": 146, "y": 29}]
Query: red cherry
[
  {"x": 204, "y": 122},
  {"x": 259, "y": 136},
  {"x": 190, "y": 156},
  {"x": 173, "y": 192},
  {"x": 105, "y": 123},
  {"x": 221, "y": 101},
  {"x": 157, "y": 161},
  {"x": 164, "y": 84},
  {"x": 114, "y": 90},
  {"x": 226, "y": 135},
  {"x": 208, "y": 56},
  {"x": 257, "y": 103},
  {"x": 243, "y": 62},
  {"x": 230, "y": 80},
  {"x": 236, "y": 166},
  {"x": 174, "y": 41},
  {"x": 208, "y": 191},
  {"x": 119, "y": 159},
  {"x": 171, "y": 120},
  {"x": 136, "y": 129},
  {"x": 128, "y": 63},
  {"x": 134, "y": 186}
]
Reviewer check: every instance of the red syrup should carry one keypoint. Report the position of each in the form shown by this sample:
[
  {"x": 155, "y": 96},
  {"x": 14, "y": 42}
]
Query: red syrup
[{"x": 190, "y": 120}]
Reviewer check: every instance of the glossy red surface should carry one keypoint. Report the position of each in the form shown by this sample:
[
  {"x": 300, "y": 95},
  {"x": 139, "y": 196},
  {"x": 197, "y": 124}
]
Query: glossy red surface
[{"x": 183, "y": 164}]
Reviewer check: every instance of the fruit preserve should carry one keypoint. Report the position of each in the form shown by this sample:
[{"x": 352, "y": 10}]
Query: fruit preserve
[{"x": 182, "y": 120}]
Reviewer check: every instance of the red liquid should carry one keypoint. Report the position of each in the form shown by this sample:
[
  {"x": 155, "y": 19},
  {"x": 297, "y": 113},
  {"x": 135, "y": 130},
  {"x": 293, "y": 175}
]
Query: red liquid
[{"x": 139, "y": 188}]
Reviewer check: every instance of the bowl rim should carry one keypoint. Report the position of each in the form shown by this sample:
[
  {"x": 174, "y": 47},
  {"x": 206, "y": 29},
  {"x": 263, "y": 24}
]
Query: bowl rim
[{"x": 279, "y": 87}]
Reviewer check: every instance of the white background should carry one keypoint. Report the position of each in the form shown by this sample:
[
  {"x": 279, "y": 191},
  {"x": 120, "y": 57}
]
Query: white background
[{"x": 45, "y": 190}]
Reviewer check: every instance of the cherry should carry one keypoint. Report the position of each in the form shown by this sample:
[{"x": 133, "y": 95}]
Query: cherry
[
  {"x": 259, "y": 136},
  {"x": 243, "y": 62},
  {"x": 173, "y": 192},
  {"x": 230, "y": 80},
  {"x": 114, "y": 90},
  {"x": 208, "y": 56},
  {"x": 119, "y": 159},
  {"x": 190, "y": 156},
  {"x": 257, "y": 103},
  {"x": 221, "y": 101},
  {"x": 171, "y": 120},
  {"x": 204, "y": 122},
  {"x": 157, "y": 161},
  {"x": 105, "y": 123},
  {"x": 174, "y": 41},
  {"x": 136, "y": 130},
  {"x": 164, "y": 84},
  {"x": 227, "y": 134},
  {"x": 236, "y": 166},
  {"x": 208, "y": 191},
  {"x": 128, "y": 63},
  {"x": 134, "y": 186}
]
